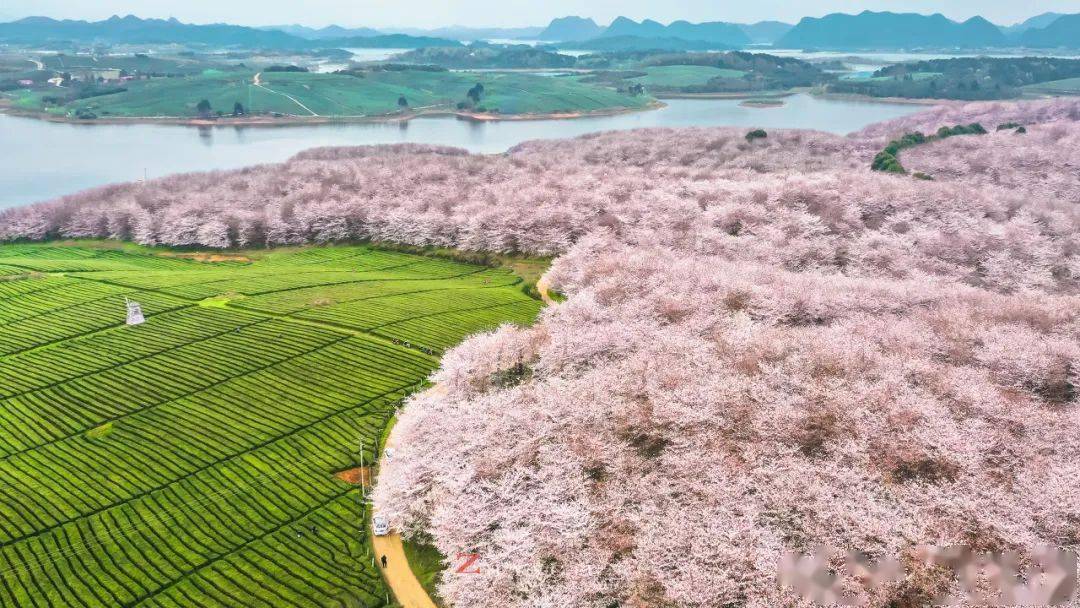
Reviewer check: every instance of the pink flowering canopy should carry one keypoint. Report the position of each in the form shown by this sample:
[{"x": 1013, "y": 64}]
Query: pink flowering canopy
[{"x": 765, "y": 347}]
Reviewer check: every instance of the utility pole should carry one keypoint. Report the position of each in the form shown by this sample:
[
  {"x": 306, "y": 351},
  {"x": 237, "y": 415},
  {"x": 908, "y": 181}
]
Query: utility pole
[
  {"x": 362, "y": 496},
  {"x": 363, "y": 488}
]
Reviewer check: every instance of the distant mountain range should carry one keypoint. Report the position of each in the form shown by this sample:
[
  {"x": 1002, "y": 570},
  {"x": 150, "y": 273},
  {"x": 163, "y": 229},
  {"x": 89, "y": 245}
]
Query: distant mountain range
[
  {"x": 453, "y": 32},
  {"x": 863, "y": 31},
  {"x": 133, "y": 30},
  {"x": 573, "y": 29},
  {"x": 870, "y": 30},
  {"x": 332, "y": 31},
  {"x": 570, "y": 29},
  {"x": 1036, "y": 22},
  {"x": 716, "y": 31},
  {"x": 765, "y": 32},
  {"x": 1061, "y": 32}
]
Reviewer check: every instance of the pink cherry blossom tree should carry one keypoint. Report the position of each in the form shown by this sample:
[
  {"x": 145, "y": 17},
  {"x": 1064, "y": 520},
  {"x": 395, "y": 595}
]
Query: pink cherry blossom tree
[{"x": 765, "y": 347}]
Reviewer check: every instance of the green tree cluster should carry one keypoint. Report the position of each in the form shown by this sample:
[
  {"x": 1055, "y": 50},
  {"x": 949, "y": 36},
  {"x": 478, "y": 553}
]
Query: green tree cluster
[
  {"x": 756, "y": 134},
  {"x": 888, "y": 159}
]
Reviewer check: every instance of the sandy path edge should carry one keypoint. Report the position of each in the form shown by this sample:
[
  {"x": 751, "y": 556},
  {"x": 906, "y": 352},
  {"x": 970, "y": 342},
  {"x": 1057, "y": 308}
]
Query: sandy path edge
[
  {"x": 398, "y": 575},
  {"x": 542, "y": 286},
  {"x": 404, "y": 584}
]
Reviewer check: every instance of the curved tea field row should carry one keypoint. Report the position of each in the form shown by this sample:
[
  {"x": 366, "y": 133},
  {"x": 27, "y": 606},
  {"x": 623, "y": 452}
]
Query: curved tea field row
[{"x": 190, "y": 461}]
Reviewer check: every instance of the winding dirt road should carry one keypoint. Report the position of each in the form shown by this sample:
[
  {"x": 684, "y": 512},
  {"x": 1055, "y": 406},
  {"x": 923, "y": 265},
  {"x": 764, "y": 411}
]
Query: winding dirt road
[
  {"x": 407, "y": 589},
  {"x": 543, "y": 286},
  {"x": 257, "y": 81}
]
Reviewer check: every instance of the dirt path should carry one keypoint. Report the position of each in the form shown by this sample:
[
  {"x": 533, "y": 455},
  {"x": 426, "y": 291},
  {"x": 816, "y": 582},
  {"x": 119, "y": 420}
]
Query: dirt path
[
  {"x": 542, "y": 286},
  {"x": 407, "y": 589},
  {"x": 257, "y": 81}
]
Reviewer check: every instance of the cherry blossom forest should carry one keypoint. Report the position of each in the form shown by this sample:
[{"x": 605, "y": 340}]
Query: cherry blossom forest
[{"x": 764, "y": 347}]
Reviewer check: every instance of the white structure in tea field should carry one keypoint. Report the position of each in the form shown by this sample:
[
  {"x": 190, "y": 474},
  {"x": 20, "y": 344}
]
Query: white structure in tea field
[{"x": 134, "y": 313}]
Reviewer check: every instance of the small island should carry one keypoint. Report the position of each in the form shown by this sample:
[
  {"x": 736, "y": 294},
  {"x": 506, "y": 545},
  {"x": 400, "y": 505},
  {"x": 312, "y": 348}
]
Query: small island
[{"x": 762, "y": 103}]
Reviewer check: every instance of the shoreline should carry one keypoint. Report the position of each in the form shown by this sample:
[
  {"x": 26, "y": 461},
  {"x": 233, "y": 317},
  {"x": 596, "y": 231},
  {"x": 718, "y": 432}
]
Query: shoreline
[
  {"x": 893, "y": 100},
  {"x": 730, "y": 95},
  {"x": 780, "y": 95},
  {"x": 290, "y": 121},
  {"x": 762, "y": 103},
  {"x": 262, "y": 121}
]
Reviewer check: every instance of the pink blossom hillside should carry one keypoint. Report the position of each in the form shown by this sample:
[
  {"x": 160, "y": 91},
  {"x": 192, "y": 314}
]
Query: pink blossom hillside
[
  {"x": 988, "y": 113},
  {"x": 757, "y": 360},
  {"x": 662, "y": 437},
  {"x": 538, "y": 199},
  {"x": 765, "y": 347}
]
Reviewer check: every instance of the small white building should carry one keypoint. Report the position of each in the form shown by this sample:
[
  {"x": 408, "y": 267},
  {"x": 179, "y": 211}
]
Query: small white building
[{"x": 134, "y": 313}]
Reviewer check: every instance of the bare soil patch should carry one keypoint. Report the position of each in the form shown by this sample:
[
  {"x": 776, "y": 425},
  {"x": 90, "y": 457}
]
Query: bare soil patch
[{"x": 356, "y": 476}]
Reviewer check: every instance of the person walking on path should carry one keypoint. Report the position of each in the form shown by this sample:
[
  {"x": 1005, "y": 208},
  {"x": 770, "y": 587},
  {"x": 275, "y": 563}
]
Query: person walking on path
[{"x": 384, "y": 561}]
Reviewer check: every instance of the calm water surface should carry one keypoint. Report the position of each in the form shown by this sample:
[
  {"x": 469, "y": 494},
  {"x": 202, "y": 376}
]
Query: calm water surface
[
  {"x": 888, "y": 58},
  {"x": 43, "y": 160}
]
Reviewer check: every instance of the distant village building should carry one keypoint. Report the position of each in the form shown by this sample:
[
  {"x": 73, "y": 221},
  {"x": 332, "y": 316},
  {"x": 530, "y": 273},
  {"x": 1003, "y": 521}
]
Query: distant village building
[
  {"x": 26, "y": 83},
  {"x": 56, "y": 81},
  {"x": 95, "y": 75}
]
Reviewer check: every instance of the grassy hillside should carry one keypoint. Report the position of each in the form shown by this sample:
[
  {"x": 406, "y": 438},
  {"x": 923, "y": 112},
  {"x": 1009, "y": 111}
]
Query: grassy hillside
[
  {"x": 701, "y": 73},
  {"x": 366, "y": 94},
  {"x": 684, "y": 75},
  {"x": 190, "y": 461},
  {"x": 966, "y": 78},
  {"x": 1068, "y": 86},
  {"x": 134, "y": 63}
]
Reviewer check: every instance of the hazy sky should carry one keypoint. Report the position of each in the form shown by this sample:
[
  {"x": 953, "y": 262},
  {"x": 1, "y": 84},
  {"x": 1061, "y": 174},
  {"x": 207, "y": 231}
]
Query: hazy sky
[{"x": 433, "y": 13}]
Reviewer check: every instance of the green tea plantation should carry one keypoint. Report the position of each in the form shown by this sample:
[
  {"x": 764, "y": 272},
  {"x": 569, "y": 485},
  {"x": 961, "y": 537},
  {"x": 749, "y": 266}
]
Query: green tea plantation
[{"x": 190, "y": 460}]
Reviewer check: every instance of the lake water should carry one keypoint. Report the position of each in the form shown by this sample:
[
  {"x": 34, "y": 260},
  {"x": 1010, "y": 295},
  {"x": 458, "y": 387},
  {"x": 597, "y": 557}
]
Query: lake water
[
  {"x": 883, "y": 58},
  {"x": 44, "y": 160},
  {"x": 374, "y": 54}
]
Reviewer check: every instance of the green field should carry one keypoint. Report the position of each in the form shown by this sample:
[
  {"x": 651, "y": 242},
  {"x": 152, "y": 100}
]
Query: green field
[
  {"x": 189, "y": 461},
  {"x": 427, "y": 564},
  {"x": 132, "y": 63},
  {"x": 308, "y": 94},
  {"x": 1068, "y": 86},
  {"x": 684, "y": 75}
]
